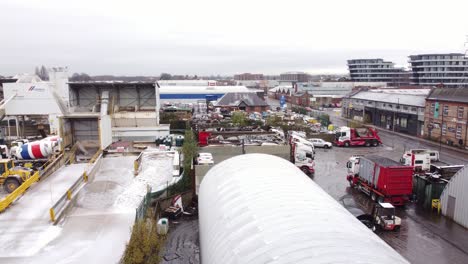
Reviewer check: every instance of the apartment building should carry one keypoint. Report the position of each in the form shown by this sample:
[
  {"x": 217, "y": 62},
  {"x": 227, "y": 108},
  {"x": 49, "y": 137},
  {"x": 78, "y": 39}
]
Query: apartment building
[
  {"x": 446, "y": 70},
  {"x": 377, "y": 70}
]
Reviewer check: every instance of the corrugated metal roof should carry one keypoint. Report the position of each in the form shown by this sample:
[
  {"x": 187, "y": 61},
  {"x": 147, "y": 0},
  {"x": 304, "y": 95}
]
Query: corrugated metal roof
[
  {"x": 457, "y": 188},
  {"x": 259, "y": 208},
  {"x": 392, "y": 97},
  {"x": 449, "y": 94},
  {"x": 234, "y": 99}
]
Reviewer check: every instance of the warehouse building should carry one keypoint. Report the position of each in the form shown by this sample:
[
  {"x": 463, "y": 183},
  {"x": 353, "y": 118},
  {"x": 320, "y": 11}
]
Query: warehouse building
[
  {"x": 446, "y": 116},
  {"x": 400, "y": 110},
  {"x": 454, "y": 198}
]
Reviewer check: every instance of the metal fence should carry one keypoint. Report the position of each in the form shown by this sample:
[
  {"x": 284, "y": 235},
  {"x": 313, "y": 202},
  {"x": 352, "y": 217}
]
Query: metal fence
[
  {"x": 59, "y": 208},
  {"x": 19, "y": 191}
]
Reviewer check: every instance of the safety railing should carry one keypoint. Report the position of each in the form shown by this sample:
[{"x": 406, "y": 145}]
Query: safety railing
[
  {"x": 19, "y": 191},
  {"x": 137, "y": 164},
  {"x": 57, "y": 210}
]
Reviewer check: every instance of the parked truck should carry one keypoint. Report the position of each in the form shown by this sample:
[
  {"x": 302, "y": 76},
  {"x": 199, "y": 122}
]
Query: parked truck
[
  {"x": 302, "y": 153},
  {"x": 303, "y": 157},
  {"x": 31, "y": 154},
  {"x": 383, "y": 179},
  {"x": 346, "y": 136},
  {"x": 420, "y": 159}
]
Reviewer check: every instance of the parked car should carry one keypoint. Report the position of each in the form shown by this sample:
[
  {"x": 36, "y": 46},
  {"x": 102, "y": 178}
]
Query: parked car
[
  {"x": 320, "y": 143},
  {"x": 205, "y": 159}
]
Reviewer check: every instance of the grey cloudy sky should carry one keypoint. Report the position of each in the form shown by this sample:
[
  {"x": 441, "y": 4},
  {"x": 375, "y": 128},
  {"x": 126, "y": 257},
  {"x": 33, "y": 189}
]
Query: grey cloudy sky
[{"x": 222, "y": 37}]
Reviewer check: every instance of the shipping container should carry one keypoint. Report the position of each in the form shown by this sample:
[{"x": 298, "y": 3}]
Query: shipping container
[{"x": 383, "y": 179}]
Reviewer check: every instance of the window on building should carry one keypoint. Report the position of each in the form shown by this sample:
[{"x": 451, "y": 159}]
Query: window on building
[
  {"x": 446, "y": 110},
  {"x": 414, "y": 109},
  {"x": 460, "y": 111},
  {"x": 458, "y": 133},
  {"x": 382, "y": 119},
  {"x": 444, "y": 128},
  {"x": 403, "y": 122},
  {"x": 405, "y": 108},
  {"x": 432, "y": 108}
]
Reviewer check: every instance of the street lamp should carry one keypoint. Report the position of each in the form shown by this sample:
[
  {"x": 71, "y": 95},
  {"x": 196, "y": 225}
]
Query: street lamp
[{"x": 394, "y": 112}]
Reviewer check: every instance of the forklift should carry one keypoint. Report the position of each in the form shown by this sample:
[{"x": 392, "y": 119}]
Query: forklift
[{"x": 382, "y": 218}]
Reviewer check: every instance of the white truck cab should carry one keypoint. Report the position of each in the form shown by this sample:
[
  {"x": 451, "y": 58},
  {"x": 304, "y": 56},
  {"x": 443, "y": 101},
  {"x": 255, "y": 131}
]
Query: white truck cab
[{"x": 420, "y": 159}]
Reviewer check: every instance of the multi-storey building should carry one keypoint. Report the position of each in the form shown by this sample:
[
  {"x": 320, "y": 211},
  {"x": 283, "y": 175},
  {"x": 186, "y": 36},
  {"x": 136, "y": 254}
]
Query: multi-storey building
[
  {"x": 248, "y": 77},
  {"x": 377, "y": 70},
  {"x": 446, "y": 116},
  {"x": 294, "y": 77},
  {"x": 447, "y": 70}
]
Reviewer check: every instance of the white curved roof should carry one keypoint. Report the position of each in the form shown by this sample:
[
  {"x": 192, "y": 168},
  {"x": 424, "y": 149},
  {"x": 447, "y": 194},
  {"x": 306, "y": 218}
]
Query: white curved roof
[
  {"x": 259, "y": 208},
  {"x": 202, "y": 89}
]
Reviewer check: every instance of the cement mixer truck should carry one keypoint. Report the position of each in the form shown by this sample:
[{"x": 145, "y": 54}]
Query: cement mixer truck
[{"x": 33, "y": 154}]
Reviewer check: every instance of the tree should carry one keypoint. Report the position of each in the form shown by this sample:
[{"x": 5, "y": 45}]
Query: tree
[
  {"x": 83, "y": 77},
  {"x": 238, "y": 118},
  {"x": 165, "y": 76},
  {"x": 44, "y": 73}
]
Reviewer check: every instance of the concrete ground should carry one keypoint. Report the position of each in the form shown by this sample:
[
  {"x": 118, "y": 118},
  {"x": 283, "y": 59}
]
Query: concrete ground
[
  {"x": 425, "y": 237},
  {"x": 25, "y": 227},
  {"x": 182, "y": 243}
]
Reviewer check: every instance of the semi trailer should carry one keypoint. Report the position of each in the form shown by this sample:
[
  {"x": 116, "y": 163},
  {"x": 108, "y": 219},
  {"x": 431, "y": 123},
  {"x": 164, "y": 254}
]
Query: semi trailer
[{"x": 383, "y": 179}]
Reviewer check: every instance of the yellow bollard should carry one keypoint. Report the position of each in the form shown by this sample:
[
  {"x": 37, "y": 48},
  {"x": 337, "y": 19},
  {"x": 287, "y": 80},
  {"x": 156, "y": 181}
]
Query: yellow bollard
[
  {"x": 69, "y": 194},
  {"x": 52, "y": 214},
  {"x": 135, "y": 167},
  {"x": 85, "y": 176},
  {"x": 436, "y": 205}
]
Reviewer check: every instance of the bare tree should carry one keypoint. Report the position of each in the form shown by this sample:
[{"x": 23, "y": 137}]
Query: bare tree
[{"x": 165, "y": 76}]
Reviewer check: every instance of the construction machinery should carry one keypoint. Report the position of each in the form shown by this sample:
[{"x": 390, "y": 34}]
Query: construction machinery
[
  {"x": 382, "y": 218},
  {"x": 12, "y": 176}
]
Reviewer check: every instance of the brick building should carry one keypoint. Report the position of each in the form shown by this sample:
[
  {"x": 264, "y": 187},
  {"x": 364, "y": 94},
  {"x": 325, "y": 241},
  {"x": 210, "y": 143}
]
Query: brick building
[
  {"x": 292, "y": 95},
  {"x": 446, "y": 116},
  {"x": 248, "y": 77},
  {"x": 249, "y": 102},
  {"x": 294, "y": 77}
]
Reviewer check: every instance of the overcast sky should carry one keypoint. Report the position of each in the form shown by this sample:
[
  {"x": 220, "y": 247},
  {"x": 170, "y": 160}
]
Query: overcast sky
[{"x": 136, "y": 37}]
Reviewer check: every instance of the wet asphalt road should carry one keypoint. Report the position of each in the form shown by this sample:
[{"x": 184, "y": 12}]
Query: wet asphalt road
[{"x": 425, "y": 237}]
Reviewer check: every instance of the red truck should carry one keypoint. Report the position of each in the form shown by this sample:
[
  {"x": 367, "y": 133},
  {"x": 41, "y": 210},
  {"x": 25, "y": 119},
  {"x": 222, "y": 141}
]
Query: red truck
[
  {"x": 383, "y": 179},
  {"x": 346, "y": 136}
]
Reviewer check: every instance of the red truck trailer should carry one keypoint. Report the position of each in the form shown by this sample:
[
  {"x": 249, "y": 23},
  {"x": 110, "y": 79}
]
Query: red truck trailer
[
  {"x": 346, "y": 136},
  {"x": 383, "y": 179}
]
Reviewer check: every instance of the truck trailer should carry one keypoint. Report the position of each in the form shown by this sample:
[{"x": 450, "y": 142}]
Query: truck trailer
[
  {"x": 383, "y": 179},
  {"x": 346, "y": 136}
]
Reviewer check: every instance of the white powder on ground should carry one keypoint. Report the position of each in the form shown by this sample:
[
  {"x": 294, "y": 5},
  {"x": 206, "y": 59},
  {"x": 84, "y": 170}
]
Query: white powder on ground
[{"x": 156, "y": 172}]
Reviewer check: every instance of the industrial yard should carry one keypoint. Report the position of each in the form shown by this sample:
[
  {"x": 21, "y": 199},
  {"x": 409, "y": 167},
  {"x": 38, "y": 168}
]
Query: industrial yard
[{"x": 158, "y": 132}]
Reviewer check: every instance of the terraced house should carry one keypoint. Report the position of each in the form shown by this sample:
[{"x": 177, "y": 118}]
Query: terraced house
[{"x": 446, "y": 116}]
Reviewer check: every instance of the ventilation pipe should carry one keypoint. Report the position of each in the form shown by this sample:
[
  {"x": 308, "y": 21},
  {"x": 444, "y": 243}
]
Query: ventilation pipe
[
  {"x": 104, "y": 102},
  {"x": 158, "y": 106}
]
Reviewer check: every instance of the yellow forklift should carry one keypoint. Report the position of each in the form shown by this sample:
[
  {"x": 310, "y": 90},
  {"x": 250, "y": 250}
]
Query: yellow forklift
[{"x": 11, "y": 176}]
